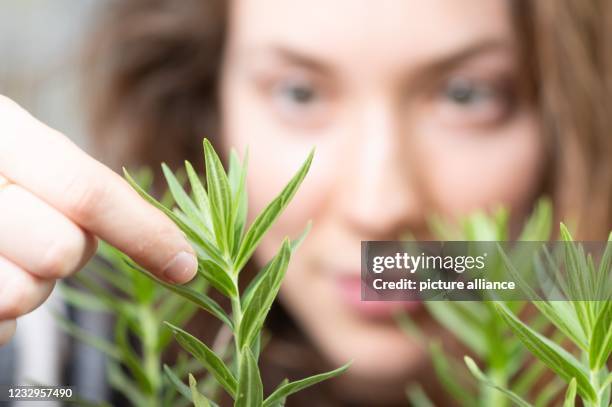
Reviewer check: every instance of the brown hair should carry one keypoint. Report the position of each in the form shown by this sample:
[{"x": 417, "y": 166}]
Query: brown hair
[
  {"x": 574, "y": 51},
  {"x": 154, "y": 67},
  {"x": 151, "y": 79}
]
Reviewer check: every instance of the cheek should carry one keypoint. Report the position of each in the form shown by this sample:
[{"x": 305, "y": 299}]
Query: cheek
[{"x": 469, "y": 172}]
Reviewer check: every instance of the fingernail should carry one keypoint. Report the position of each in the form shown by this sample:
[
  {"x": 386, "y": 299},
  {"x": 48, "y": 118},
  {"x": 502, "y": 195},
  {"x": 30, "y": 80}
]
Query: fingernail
[{"x": 182, "y": 268}]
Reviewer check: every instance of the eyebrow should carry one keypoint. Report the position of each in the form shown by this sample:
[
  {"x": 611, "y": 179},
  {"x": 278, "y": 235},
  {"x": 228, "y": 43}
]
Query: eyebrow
[
  {"x": 301, "y": 58},
  {"x": 431, "y": 67},
  {"x": 452, "y": 59},
  {"x": 290, "y": 55}
]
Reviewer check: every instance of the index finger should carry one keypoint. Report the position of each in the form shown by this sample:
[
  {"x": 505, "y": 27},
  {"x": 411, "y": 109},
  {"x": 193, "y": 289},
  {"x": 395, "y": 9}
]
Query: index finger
[{"x": 49, "y": 165}]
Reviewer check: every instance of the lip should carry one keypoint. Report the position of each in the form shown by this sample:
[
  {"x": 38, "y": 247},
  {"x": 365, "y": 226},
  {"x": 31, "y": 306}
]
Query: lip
[{"x": 349, "y": 290}]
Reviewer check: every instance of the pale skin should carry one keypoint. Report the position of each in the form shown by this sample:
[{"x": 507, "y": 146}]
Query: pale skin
[
  {"x": 408, "y": 120},
  {"x": 55, "y": 201}
]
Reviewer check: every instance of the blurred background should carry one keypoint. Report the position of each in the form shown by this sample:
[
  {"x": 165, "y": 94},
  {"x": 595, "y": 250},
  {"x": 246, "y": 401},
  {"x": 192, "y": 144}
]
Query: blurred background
[{"x": 40, "y": 44}]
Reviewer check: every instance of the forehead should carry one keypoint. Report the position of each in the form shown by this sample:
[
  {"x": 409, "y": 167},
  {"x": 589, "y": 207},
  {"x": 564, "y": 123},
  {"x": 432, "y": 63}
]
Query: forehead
[{"x": 381, "y": 29}]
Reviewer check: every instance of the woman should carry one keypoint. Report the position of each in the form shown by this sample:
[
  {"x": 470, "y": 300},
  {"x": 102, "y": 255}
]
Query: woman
[{"x": 415, "y": 108}]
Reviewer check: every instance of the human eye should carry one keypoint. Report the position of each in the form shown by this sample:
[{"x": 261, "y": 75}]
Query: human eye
[
  {"x": 296, "y": 98},
  {"x": 295, "y": 94},
  {"x": 465, "y": 101},
  {"x": 300, "y": 101}
]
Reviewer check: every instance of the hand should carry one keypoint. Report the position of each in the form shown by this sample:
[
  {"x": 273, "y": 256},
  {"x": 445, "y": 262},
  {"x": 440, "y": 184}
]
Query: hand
[{"x": 54, "y": 201}]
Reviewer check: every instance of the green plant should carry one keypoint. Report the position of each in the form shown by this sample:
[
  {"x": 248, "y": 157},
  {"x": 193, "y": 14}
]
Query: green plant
[
  {"x": 478, "y": 327},
  {"x": 585, "y": 322},
  {"x": 214, "y": 220},
  {"x": 503, "y": 344},
  {"x": 137, "y": 308}
]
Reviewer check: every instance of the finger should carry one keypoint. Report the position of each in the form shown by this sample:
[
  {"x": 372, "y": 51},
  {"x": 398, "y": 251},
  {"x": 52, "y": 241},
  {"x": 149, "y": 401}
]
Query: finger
[
  {"x": 91, "y": 195},
  {"x": 20, "y": 292},
  {"x": 7, "y": 330},
  {"x": 39, "y": 239}
]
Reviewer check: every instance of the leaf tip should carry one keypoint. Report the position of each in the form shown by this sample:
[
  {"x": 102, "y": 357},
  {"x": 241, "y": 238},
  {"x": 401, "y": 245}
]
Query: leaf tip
[{"x": 565, "y": 233}]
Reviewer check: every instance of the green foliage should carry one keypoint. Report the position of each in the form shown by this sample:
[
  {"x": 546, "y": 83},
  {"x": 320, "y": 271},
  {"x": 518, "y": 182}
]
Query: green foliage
[
  {"x": 138, "y": 307},
  {"x": 505, "y": 345},
  {"x": 477, "y": 325},
  {"x": 589, "y": 315},
  {"x": 135, "y": 352},
  {"x": 570, "y": 394},
  {"x": 214, "y": 220},
  {"x": 475, "y": 370}
]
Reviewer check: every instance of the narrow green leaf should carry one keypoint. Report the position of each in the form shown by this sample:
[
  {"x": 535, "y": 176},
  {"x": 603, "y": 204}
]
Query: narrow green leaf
[
  {"x": 295, "y": 244},
  {"x": 193, "y": 235},
  {"x": 207, "y": 358},
  {"x": 570, "y": 395},
  {"x": 199, "y": 193},
  {"x": 560, "y": 313},
  {"x": 282, "y": 401},
  {"x": 482, "y": 227},
  {"x": 250, "y": 388},
  {"x": 181, "y": 387},
  {"x": 237, "y": 181},
  {"x": 201, "y": 300},
  {"x": 554, "y": 356},
  {"x": 198, "y": 398},
  {"x": 219, "y": 194},
  {"x": 601, "y": 339},
  {"x": 234, "y": 173},
  {"x": 287, "y": 389},
  {"x": 449, "y": 376},
  {"x": 268, "y": 216},
  {"x": 478, "y": 374},
  {"x": 218, "y": 278},
  {"x": 183, "y": 200},
  {"x": 576, "y": 266},
  {"x": 265, "y": 292},
  {"x": 248, "y": 292},
  {"x": 143, "y": 289},
  {"x": 539, "y": 224},
  {"x": 604, "y": 282},
  {"x": 467, "y": 329},
  {"x": 417, "y": 396}
]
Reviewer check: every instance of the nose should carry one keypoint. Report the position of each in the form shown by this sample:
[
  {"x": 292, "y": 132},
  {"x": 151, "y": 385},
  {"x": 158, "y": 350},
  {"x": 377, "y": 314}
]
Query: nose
[{"x": 379, "y": 195}]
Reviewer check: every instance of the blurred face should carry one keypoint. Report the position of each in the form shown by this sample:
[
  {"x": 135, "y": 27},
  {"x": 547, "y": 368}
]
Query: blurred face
[{"x": 414, "y": 108}]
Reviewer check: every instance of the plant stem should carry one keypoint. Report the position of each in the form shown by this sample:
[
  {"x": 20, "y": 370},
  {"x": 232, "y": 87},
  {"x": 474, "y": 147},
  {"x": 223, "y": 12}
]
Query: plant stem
[
  {"x": 151, "y": 357},
  {"x": 593, "y": 376},
  {"x": 495, "y": 398},
  {"x": 237, "y": 318}
]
